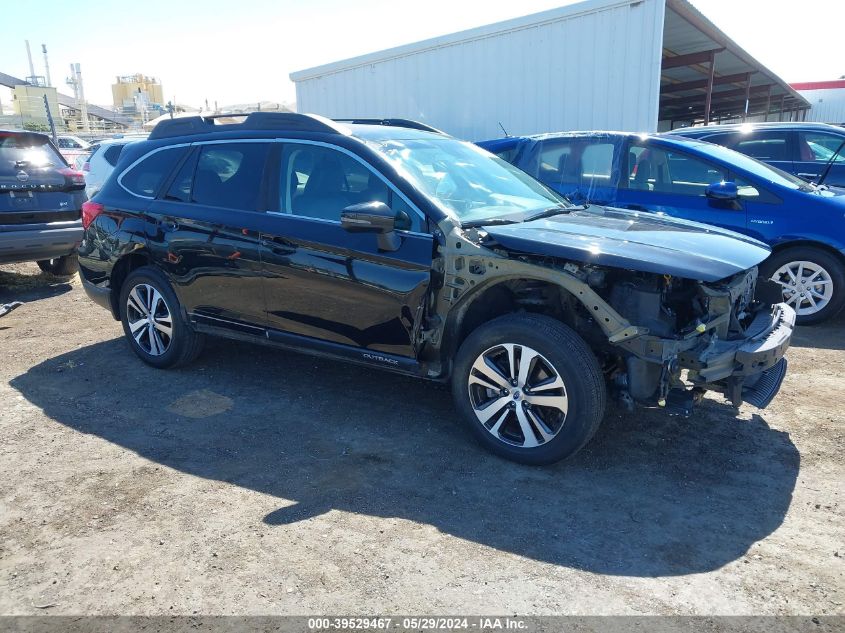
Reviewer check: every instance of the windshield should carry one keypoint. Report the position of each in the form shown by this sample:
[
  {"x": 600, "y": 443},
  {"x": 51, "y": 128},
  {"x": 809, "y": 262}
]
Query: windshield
[
  {"x": 753, "y": 166},
  {"x": 466, "y": 182}
]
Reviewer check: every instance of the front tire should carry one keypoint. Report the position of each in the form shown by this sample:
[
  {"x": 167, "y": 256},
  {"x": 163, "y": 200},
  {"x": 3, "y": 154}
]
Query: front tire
[
  {"x": 59, "y": 266},
  {"x": 529, "y": 388},
  {"x": 813, "y": 282},
  {"x": 153, "y": 323}
]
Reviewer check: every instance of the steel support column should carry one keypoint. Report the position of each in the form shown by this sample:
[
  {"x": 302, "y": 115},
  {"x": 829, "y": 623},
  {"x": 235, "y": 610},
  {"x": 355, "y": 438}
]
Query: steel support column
[{"x": 709, "y": 97}]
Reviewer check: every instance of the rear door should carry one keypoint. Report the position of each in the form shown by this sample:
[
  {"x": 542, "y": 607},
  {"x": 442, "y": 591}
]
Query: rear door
[
  {"x": 207, "y": 223},
  {"x": 328, "y": 284},
  {"x": 674, "y": 182},
  {"x": 815, "y": 151}
]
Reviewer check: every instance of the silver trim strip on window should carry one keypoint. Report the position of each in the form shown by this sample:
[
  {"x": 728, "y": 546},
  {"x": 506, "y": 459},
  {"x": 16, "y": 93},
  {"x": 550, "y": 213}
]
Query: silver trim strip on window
[{"x": 298, "y": 141}]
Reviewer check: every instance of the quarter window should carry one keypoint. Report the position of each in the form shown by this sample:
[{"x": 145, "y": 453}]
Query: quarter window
[
  {"x": 820, "y": 148},
  {"x": 319, "y": 182},
  {"x": 146, "y": 178},
  {"x": 112, "y": 153},
  {"x": 658, "y": 170}
]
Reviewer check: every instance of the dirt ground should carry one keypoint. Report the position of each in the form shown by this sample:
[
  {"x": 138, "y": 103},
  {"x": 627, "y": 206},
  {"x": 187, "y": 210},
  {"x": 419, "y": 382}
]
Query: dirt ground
[{"x": 265, "y": 482}]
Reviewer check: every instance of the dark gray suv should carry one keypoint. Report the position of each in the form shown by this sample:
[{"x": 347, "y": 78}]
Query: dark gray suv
[{"x": 40, "y": 203}]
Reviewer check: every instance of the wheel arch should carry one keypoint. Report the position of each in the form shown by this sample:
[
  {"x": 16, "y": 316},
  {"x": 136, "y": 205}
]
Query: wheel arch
[
  {"x": 809, "y": 243},
  {"x": 508, "y": 295},
  {"x": 121, "y": 270}
]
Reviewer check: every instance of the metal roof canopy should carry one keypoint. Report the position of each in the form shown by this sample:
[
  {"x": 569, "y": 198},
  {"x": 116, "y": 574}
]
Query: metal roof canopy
[{"x": 705, "y": 75}]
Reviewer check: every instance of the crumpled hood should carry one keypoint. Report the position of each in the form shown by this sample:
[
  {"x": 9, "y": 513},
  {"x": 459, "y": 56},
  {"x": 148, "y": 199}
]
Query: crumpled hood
[{"x": 635, "y": 240}]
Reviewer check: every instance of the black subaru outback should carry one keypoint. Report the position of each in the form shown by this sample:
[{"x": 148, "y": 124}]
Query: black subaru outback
[{"x": 392, "y": 245}]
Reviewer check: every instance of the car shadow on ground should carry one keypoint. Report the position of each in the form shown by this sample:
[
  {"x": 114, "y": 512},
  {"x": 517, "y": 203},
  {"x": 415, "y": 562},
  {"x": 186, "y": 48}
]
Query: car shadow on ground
[
  {"x": 652, "y": 495},
  {"x": 26, "y": 288},
  {"x": 827, "y": 335}
]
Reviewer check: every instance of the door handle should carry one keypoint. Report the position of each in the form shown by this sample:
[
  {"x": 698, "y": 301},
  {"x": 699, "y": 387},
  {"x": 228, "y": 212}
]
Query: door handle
[{"x": 807, "y": 175}]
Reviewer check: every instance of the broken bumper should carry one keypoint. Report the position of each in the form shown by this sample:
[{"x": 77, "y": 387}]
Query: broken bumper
[{"x": 751, "y": 369}]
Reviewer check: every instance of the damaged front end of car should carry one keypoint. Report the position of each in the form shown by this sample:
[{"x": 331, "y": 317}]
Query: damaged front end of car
[
  {"x": 701, "y": 336},
  {"x": 664, "y": 332}
]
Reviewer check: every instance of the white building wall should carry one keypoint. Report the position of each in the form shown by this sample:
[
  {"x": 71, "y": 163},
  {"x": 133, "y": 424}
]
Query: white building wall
[
  {"x": 593, "y": 65},
  {"x": 828, "y": 105}
]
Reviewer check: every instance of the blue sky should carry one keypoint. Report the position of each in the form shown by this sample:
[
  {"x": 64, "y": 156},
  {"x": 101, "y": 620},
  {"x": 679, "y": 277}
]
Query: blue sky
[{"x": 242, "y": 51}]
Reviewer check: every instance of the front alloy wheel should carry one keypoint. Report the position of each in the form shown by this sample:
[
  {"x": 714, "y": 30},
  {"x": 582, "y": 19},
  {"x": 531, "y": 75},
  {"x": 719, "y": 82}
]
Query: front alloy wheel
[
  {"x": 529, "y": 388},
  {"x": 149, "y": 319},
  {"x": 517, "y": 395}
]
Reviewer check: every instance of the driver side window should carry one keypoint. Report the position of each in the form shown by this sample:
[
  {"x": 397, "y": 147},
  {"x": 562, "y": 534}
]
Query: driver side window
[
  {"x": 658, "y": 170},
  {"x": 319, "y": 182}
]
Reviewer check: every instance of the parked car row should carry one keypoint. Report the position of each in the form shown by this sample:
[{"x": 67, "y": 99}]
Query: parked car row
[
  {"x": 538, "y": 281},
  {"x": 685, "y": 177}
]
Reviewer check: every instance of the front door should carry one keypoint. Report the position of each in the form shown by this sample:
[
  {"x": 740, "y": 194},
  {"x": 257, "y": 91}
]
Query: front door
[
  {"x": 208, "y": 222},
  {"x": 325, "y": 283},
  {"x": 674, "y": 183}
]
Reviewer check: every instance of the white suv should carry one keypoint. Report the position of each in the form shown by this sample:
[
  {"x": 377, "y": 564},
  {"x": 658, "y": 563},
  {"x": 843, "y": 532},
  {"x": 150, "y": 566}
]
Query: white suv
[{"x": 101, "y": 161}]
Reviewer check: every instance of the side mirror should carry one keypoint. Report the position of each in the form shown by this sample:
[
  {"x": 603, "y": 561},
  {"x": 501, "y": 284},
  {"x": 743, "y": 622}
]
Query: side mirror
[
  {"x": 372, "y": 217},
  {"x": 725, "y": 191}
]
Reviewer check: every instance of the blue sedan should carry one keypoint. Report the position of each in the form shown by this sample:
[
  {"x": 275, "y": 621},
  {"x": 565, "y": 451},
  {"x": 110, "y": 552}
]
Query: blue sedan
[{"x": 804, "y": 224}]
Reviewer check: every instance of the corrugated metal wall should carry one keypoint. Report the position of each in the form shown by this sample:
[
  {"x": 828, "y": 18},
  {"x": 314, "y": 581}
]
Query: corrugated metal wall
[
  {"x": 828, "y": 105},
  {"x": 594, "y": 65}
]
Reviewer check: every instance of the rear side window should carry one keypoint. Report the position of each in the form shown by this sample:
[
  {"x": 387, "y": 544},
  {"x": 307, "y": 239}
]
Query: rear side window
[
  {"x": 576, "y": 162},
  {"x": 229, "y": 175},
  {"x": 146, "y": 177},
  {"x": 112, "y": 153},
  {"x": 765, "y": 146}
]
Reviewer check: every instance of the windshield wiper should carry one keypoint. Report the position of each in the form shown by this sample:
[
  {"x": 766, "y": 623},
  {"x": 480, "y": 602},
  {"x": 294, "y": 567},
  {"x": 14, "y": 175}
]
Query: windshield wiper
[
  {"x": 547, "y": 213},
  {"x": 488, "y": 222}
]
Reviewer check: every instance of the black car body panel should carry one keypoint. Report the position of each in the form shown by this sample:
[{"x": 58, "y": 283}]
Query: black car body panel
[{"x": 636, "y": 241}]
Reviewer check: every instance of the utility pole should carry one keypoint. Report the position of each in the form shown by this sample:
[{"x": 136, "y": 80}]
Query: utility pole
[{"x": 50, "y": 121}]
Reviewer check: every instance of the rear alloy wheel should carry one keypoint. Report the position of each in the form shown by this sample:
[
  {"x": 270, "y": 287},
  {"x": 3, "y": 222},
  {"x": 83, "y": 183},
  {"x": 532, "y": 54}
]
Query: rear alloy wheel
[
  {"x": 813, "y": 282},
  {"x": 153, "y": 322},
  {"x": 529, "y": 388},
  {"x": 59, "y": 266},
  {"x": 149, "y": 319}
]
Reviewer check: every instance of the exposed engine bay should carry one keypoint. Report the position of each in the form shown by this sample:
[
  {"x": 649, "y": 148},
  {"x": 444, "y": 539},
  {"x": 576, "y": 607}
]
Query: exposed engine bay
[{"x": 663, "y": 339}]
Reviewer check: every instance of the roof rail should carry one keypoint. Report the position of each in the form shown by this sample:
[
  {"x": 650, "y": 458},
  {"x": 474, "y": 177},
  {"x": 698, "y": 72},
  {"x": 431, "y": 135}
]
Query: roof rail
[
  {"x": 407, "y": 123},
  {"x": 287, "y": 121}
]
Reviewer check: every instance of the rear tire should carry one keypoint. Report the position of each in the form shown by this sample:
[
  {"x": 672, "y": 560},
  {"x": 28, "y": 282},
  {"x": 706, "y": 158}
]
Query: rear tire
[
  {"x": 60, "y": 266},
  {"x": 537, "y": 413},
  {"x": 812, "y": 279},
  {"x": 153, "y": 322}
]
